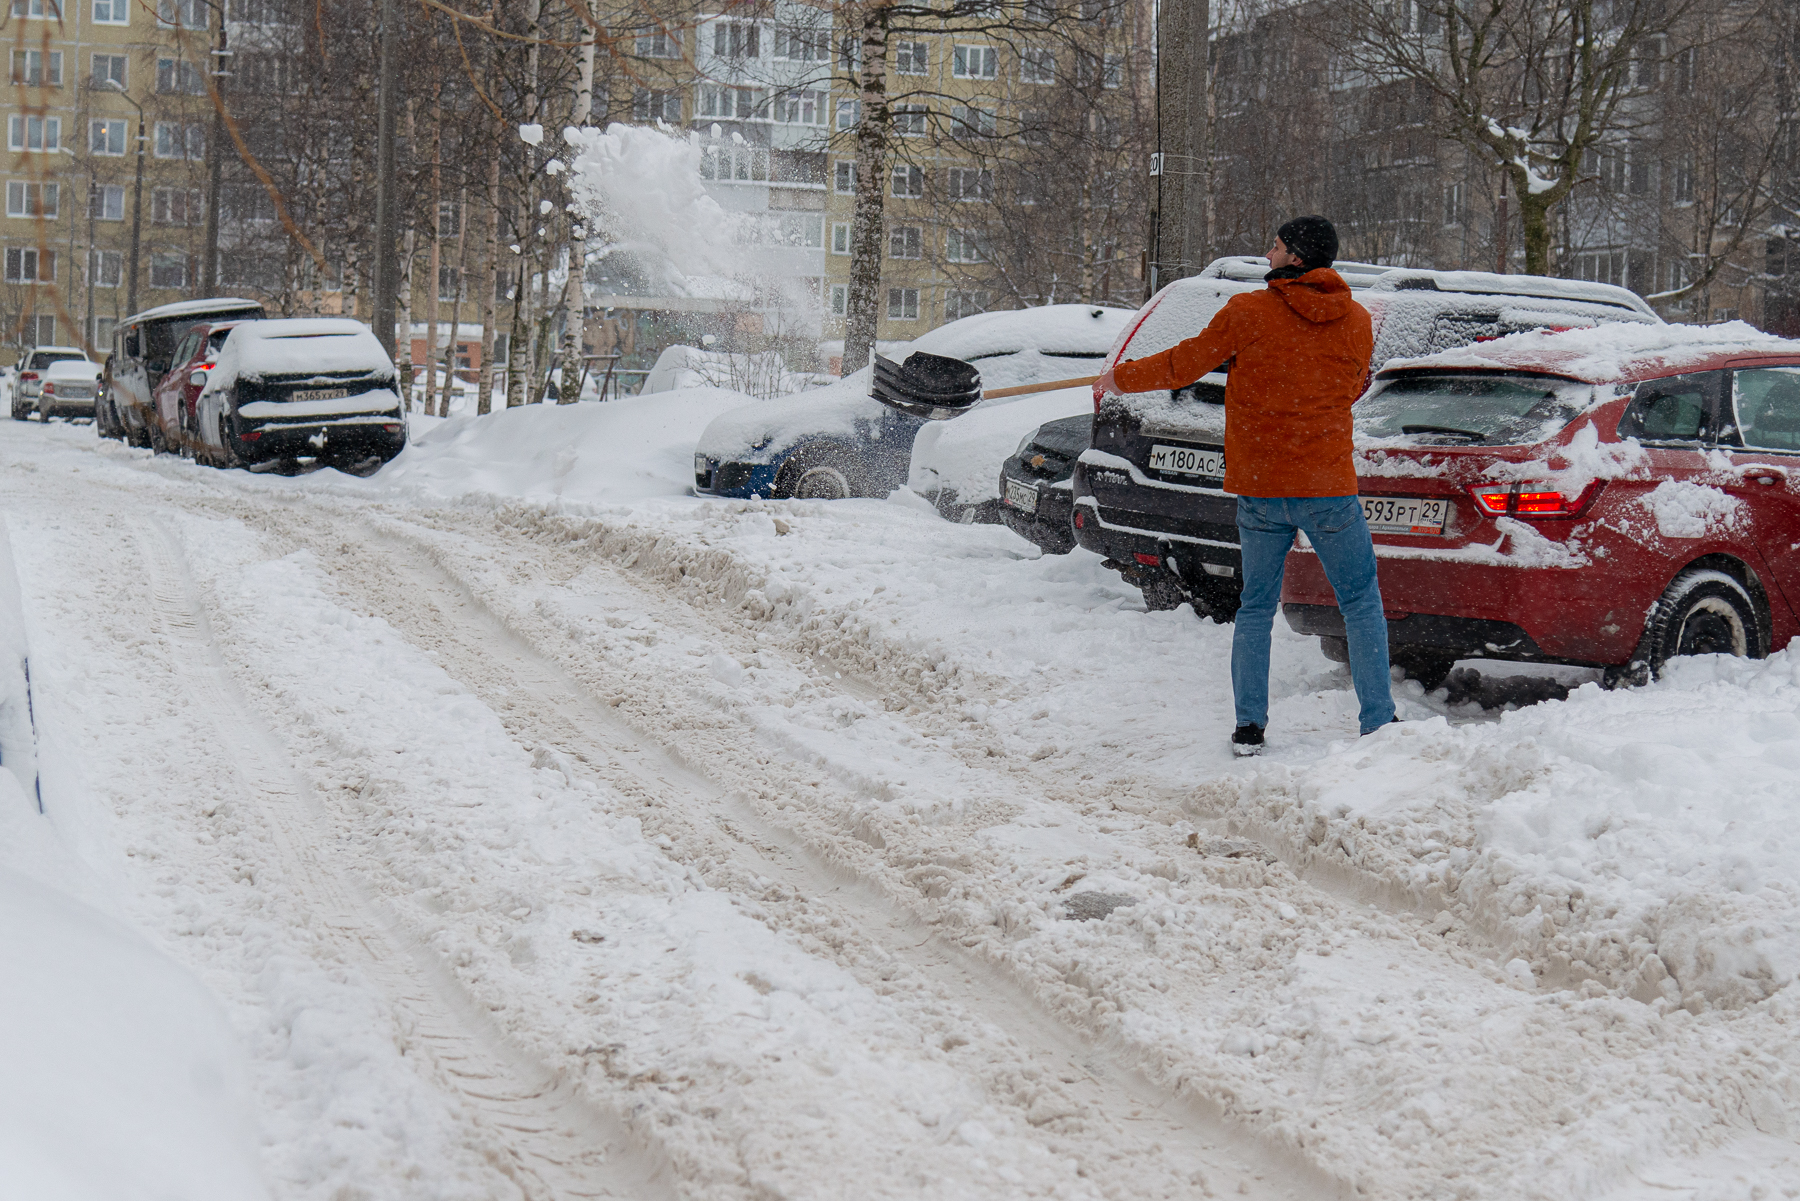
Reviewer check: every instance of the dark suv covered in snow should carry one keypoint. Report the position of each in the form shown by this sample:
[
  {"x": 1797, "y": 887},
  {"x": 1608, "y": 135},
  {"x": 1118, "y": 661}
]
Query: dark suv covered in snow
[{"x": 1148, "y": 491}]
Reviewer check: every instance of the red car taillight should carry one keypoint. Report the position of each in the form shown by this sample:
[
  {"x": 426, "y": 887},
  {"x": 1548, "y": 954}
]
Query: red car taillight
[
  {"x": 28, "y": 375},
  {"x": 1531, "y": 500}
]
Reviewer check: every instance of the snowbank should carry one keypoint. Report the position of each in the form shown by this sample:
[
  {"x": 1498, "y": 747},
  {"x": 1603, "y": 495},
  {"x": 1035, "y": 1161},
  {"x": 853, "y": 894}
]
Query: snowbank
[
  {"x": 121, "y": 1080},
  {"x": 616, "y": 452}
]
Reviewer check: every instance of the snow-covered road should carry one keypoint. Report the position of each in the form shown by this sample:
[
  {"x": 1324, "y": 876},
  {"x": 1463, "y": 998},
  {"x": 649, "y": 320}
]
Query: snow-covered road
[{"x": 638, "y": 845}]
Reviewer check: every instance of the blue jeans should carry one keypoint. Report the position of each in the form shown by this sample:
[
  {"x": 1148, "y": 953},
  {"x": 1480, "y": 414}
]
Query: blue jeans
[{"x": 1335, "y": 527}]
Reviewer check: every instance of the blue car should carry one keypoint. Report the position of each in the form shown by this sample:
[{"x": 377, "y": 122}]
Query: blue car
[{"x": 836, "y": 442}]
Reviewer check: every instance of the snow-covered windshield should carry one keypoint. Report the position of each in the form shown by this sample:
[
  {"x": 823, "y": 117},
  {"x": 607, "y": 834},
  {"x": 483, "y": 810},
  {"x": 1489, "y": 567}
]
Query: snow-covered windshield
[{"x": 1494, "y": 410}]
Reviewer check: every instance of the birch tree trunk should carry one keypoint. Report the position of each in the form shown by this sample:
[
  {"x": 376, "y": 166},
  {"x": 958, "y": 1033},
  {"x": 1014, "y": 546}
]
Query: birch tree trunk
[
  {"x": 873, "y": 132},
  {"x": 434, "y": 272},
  {"x": 404, "y": 341},
  {"x": 462, "y": 274},
  {"x": 490, "y": 282},
  {"x": 574, "y": 295},
  {"x": 519, "y": 358}
]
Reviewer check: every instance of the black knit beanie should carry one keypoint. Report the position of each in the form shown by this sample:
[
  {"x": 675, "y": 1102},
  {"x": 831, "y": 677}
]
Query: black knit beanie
[{"x": 1314, "y": 239}]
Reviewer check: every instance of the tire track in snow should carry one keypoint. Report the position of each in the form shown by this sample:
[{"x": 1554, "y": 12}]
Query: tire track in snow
[
  {"x": 1117, "y": 1106},
  {"x": 556, "y": 1145}
]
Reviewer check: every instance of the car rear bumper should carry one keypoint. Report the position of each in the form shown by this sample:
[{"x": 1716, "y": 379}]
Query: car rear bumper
[
  {"x": 1189, "y": 535},
  {"x": 1481, "y": 610},
  {"x": 738, "y": 481},
  {"x": 1046, "y": 526},
  {"x": 65, "y": 408},
  {"x": 361, "y": 436}
]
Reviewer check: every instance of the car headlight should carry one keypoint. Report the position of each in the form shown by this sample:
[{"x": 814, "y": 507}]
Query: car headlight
[
  {"x": 700, "y": 465},
  {"x": 1024, "y": 445}
]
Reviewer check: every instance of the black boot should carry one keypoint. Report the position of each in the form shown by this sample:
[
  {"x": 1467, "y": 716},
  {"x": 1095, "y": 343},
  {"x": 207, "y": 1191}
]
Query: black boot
[{"x": 1247, "y": 740}]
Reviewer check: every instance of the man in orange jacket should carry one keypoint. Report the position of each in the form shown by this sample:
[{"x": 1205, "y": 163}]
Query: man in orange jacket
[{"x": 1298, "y": 357}]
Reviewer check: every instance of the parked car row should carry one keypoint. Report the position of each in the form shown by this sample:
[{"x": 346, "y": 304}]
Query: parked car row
[
  {"x": 219, "y": 381},
  {"x": 1550, "y": 472}
]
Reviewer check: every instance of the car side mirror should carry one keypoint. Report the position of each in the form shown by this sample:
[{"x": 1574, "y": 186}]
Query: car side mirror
[{"x": 197, "y": 378}]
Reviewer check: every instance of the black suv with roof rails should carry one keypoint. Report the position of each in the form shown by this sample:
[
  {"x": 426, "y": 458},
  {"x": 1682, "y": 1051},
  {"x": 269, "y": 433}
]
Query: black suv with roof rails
[{"x": 1148, "y": 491}]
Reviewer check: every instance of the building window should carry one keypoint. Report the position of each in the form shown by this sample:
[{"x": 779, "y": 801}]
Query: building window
[
  {"x": 1453, "y": 204},
  {"x": 39, "y": 329},
  {"x": 961, "y": 246},
  {"x": 103, "y": 331},
  {"x": 449, "y": 282},
  {"x": 37, "y": 68},
  {"x": 107, "y": 202},
  {"x": 177, "y": 206},
  {"x": 653, "y": 41},
  {"x": 906, "y": 242},
  {"x": 1112, "y": 71},
  {"x": 1603, "y": 267},
  {"x": 800, "y": 108},
  {"x": 112, "y": 12},
  {"x": 108, "y": 266},
  {"x": 243, "y": 203},
  {"x": 840, "y": 299},
  {"x": 903, "y": 304},
  {"x": 25, "y": 199},
  {"x": 262, "y": 12},
  {"x": 735, "y": 164},
  {"x": 183, "y": 14},
  {"x": 109, "y": 69},
  {"x": 736, "y": 104},
  {"x": 1037, "y": 64},
  {"x": 971, "y": 122},
  {"x": 1025, "y": 190},
  {"x": 648, "y": 105},
  {"x": 910, "y": 58},
  {"x": 909, "y": 182},
  {"x": 449, "y": 219},
  {"x": 29, "y": 265},
  {"x": 180, "y": 141},
  {"x": 736, "y": 39},
  {"x": 840, "y": 237},
  {"x": 971, "y": 183},
  {"x": 178, "y": 76},
  {"x": 106, "y": 137},
  {"x": 1040, "y": 12},
  {"x": 48, "y": 9},
  {"x": 909, "y": 120},
  {"x": 802, "y": 43},
  {"x": 1682, "y": 69},
  {"x": 843, "y": 177},
  {"x": 849, "y": 112},
  {"x": 975, "y": 62},
  {"x": 849, "y": 53},
  {"x": 798, "y": 229},
  {"x": 34, "y": 133},
  {"x": 958, "y": 305},
  {"x": 168, "y": 269},
  {"x": 1681, "y": 186}
]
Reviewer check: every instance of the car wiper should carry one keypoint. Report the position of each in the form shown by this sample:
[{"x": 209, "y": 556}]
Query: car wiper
[{"x": 1447, "y": 430}]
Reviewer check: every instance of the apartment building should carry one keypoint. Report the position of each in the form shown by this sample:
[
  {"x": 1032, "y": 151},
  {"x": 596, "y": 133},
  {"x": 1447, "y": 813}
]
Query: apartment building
[{"x": 80, "y": 72}]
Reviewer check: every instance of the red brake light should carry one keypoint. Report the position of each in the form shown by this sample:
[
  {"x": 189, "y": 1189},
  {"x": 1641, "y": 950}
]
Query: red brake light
[
  {"x": 28, "y": 375},
  {"x": 1147, "y": 560},
  {"x": 1531, "y": 500}
]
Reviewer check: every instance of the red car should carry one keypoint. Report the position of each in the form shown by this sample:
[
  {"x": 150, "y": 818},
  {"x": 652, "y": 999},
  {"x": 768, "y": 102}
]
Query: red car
[
  {"x": 179, "y": 389},
  {"x": 1609, "y": 497}
]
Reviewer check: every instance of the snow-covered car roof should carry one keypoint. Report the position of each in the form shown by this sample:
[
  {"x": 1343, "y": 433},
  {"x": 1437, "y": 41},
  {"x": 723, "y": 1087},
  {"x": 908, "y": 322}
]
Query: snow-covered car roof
[
  {"x": 1053, "y": 329},
  {"x": 72, "y": 369},
  {"x": 74, "y": 350},
  {"x": 1540, "y": 287},
  {"x": 1017, "y": 346},
  {"x": 1251, "y": 268},
  {"x": 297, "y": 345},
  {"x": 1621, "y": 352},
  {"x": 187, "y": 308}
]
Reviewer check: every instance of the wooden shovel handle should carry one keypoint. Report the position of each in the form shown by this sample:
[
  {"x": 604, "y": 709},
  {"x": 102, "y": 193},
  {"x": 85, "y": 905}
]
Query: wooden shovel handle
[{"x": 1028, "y": 389}]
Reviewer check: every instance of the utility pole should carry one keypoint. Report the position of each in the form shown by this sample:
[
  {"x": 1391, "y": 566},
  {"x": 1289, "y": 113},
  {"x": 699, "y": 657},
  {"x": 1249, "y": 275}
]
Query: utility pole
[
  {"x": 137, "y": 201},
  {"x": 1180, "y": 240},
  {"x": 215, "y": 157},
  {"x": 387, "y": 201}
]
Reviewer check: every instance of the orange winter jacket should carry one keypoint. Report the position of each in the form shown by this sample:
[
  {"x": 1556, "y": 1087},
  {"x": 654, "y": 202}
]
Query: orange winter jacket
[{"x": 1299, "y": 354}]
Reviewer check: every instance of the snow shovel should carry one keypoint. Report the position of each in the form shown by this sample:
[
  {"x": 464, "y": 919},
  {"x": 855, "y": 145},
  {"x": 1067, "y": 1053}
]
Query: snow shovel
[{"x": 937, "y": 388}]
